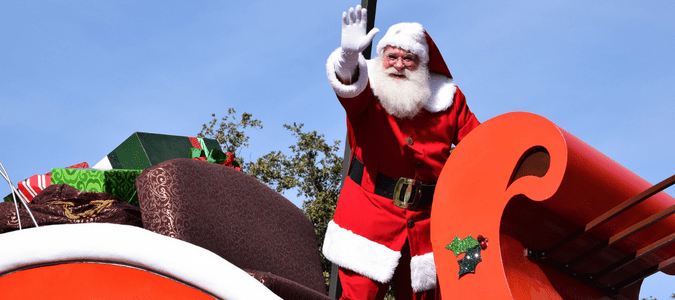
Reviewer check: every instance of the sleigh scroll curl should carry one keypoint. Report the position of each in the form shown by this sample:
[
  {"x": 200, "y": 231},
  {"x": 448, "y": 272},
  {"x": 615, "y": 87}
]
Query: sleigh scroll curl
[{"x": 564, "y": 221}]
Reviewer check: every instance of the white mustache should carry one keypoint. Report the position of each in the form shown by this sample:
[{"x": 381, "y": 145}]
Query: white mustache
[{"x": 394, "y": 71}]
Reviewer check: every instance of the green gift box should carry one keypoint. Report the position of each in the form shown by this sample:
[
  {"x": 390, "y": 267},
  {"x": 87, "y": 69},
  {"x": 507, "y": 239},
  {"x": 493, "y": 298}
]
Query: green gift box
[
  {"x": 121, "y": 183},
  {"x": 142, "y": 150}
]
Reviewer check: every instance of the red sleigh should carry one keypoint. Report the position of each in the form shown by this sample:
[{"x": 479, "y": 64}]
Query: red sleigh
[{"x": 563, "y": 221}]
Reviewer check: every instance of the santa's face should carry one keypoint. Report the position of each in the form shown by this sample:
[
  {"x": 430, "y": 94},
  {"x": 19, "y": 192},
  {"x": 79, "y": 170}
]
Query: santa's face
[
  {"x": 400, "y": 60},
  {"x": 400, "y": 82}
]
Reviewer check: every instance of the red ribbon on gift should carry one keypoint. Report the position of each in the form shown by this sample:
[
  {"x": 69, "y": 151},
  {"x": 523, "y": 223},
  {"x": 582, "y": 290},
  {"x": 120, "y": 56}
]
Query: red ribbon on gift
[
  {"x": 229, "y": 161},
  {"x": 195, "y": 143}
]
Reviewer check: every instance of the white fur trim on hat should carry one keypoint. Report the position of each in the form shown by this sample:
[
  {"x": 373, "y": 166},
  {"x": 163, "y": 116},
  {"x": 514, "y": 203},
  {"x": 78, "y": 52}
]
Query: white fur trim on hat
[
  {"x": 443, "y": 91},
  {"x": 407, "y": 36},
  {"x": 423, "y": 272},
  {"x": 361, "y": 255},
  {"x": 341, "y": 89}
]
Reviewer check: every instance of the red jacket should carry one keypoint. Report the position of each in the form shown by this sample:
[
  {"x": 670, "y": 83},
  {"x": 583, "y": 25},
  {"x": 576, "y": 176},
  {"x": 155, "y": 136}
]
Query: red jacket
[{"x": 368, "y": 231}]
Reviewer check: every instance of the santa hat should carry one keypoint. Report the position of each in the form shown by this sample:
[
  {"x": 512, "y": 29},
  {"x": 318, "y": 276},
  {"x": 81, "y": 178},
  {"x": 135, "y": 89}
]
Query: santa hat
[{"x": 412, "y": 37}]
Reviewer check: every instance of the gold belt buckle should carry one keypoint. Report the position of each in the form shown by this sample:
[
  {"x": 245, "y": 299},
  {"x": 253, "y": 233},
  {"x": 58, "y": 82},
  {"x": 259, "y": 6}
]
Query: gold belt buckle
[{"x": 404, "y": 201}]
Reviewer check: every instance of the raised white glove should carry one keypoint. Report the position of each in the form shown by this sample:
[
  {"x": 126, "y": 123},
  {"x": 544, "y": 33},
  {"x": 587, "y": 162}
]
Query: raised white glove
[{"x": 354, "y": 41}]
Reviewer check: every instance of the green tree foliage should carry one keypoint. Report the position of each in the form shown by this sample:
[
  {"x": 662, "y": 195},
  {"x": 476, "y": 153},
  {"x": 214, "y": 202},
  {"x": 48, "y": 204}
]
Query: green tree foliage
[
  {"x": 672, "y": 296},
  {"x": 230, "y": 132},
  {"x": 312, "y": 168}
]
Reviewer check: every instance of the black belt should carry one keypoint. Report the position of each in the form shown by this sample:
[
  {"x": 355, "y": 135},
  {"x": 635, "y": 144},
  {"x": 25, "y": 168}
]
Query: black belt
[{"x": 405, "y": 192}]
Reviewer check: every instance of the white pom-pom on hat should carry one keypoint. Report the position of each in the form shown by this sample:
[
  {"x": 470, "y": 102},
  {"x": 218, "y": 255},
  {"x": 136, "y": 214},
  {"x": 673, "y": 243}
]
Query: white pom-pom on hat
[{"x": 407, "y": 36}]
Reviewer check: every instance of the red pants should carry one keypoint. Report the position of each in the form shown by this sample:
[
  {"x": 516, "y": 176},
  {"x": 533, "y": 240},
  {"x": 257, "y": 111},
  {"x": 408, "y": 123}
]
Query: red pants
[{"x": 359, "y": 287}]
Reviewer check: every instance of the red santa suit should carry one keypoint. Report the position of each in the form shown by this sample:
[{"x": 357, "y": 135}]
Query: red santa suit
[{"x": 368, "y": 231}]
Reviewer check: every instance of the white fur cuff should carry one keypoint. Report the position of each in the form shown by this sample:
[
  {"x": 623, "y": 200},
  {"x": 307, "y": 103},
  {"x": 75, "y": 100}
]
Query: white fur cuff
[
  {"x": 343, "y": 90},
  {"x": 363, "y": 256},
  {"x": 423, "y": 272}
]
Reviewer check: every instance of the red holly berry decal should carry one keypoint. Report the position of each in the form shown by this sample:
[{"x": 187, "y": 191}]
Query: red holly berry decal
[{"x": 483, "y": 242}]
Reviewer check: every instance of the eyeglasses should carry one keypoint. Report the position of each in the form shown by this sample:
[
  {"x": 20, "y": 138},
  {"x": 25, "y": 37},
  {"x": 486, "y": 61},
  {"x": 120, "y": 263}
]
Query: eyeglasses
[{"x": 408, "y": 60}]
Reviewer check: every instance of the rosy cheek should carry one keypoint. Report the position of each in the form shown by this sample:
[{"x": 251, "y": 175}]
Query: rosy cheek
[{"x": 391, "y": 63}]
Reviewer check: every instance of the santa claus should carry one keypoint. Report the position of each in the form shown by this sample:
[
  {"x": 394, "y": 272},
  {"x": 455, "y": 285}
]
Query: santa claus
[{"x": 404, "y": 113}]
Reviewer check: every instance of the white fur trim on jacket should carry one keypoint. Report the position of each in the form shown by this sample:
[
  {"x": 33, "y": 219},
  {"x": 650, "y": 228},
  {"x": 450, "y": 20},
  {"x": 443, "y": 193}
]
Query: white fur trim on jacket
[
  {"x": 423, "y": 272},
  {"x": 443, "y": 90},
  {"x": 363, "y": 256},
  {"x": 343, "y": 90}
]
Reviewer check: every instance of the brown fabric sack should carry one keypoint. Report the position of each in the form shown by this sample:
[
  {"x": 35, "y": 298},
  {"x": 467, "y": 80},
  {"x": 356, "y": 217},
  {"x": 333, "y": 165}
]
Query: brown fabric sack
[
  {"x": 232, "y": 214},
  {"x": 63, "y": 204}
]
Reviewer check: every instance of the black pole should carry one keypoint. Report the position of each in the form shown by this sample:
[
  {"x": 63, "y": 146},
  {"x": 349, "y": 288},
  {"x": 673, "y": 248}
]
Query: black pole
[
  {"x": 370, "y": 5},
  {"x": 335, "y": 288}
]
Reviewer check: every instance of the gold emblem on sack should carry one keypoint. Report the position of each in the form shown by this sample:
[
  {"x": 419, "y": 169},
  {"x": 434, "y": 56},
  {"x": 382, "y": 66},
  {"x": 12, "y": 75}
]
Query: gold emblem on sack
[{"x": 67, "y": 205}]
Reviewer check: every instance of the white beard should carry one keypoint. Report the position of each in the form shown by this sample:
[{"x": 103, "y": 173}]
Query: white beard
[{"x": 404, "y": 97}]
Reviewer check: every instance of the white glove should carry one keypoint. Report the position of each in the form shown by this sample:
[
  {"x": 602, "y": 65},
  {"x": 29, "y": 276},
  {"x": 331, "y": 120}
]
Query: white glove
[{"x": 354, "y": 41}]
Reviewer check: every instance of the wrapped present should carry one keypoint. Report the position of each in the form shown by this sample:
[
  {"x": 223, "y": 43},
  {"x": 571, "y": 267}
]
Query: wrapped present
[
  {"x": 120, "y": 182},
  {"x": 142, "y": 150},
  {"x": 215, "y": 156},
  {"x": 32, "y": 186}
]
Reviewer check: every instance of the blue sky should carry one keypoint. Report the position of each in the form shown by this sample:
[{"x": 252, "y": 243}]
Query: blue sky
[{"x": 79, "y": 77}]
